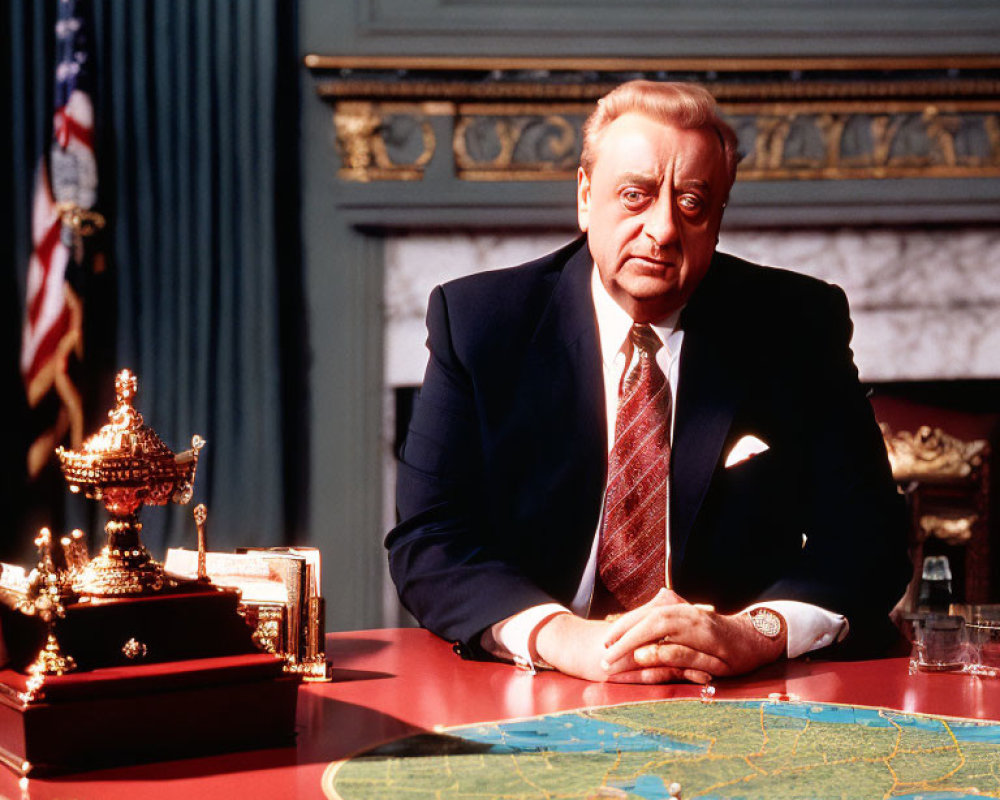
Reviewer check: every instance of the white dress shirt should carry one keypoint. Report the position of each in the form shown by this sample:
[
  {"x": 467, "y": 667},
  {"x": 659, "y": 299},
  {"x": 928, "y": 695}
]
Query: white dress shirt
[{"x": 809, "y": 627}]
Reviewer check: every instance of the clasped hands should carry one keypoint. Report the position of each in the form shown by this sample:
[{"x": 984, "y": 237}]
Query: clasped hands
[{"x": 667, "y": 639}]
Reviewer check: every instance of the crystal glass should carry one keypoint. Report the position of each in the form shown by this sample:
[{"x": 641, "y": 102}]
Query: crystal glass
[{"x": 940, "y": 643}]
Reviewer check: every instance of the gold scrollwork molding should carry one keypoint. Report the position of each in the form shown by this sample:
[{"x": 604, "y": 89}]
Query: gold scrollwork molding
[
  {"x": 953, "y": 530},
  {"x": 930, "y": 452},
  {"x": 525, "y": 146},
  {"x": 520, "y": 119},
  {"x": 861, "y": 141},
  {"x": 366, "y": 137}
]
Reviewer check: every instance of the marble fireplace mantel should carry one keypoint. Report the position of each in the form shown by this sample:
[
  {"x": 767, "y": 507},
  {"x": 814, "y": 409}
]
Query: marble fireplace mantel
[{"x": 925, "y": 303}]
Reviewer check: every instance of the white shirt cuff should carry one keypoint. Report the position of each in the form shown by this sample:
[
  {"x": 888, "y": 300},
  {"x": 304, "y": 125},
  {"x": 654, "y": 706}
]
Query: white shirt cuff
[
  {"x": 809, "y": 627},
  {"x": 512, "y": 638}
]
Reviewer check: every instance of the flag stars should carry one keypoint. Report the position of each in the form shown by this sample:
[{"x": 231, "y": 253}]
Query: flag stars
[{"x": 65, "y": 28}]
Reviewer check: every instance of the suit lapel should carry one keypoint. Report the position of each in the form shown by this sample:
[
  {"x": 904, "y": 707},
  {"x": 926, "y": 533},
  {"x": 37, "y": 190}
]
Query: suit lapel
[
  {"x": 569, "y": 315},
  {"x": 709, "y": 392},
  {"x": 565, "y": 359},
  {"x": 565, "y": 344}
]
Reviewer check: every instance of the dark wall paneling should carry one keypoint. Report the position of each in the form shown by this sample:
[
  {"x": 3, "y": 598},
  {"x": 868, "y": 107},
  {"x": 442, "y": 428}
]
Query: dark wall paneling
[{"x": 658, "y": 28}]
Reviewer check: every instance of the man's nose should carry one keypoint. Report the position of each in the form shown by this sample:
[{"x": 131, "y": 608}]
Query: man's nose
[{"x": 661, "y": 222}]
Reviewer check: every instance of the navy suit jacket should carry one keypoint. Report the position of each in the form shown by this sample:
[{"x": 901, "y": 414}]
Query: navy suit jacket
[{"x": 502, "y": 472}]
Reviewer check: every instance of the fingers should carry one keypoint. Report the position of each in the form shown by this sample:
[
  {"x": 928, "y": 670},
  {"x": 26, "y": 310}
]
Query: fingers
[
  {"x": 678, "y": 623},
  {"x": 652, "y": 675},
  {"x": 697, "y": 676},
  {"x": 667, "y": 655},
  {"x": 624, "y": 622}
]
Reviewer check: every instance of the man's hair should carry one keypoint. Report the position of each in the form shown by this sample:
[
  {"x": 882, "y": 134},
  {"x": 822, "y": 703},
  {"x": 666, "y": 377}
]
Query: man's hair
[{"x": 684, "y": 105}]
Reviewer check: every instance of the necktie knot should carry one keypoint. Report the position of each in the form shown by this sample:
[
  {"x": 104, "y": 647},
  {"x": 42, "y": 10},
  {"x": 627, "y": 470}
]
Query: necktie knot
[
  {"x": 644, "y": 339},
  {"x": 646, "y": 342}
]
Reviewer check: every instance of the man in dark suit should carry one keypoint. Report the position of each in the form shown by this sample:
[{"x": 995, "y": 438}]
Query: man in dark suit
[{"x": 639, "y": 424}]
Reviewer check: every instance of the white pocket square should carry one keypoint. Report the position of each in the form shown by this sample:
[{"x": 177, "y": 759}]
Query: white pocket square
[{"x": 745, "y": 448}]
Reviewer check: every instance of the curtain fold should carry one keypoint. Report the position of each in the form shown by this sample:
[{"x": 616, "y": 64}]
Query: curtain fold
[{"x": 189, "y": 163}]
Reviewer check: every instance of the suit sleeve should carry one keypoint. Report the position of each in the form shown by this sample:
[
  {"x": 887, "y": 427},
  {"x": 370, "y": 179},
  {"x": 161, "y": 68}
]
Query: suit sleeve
[
  {"x": 854, "y": 558},
  {"x": 446, "y": 560}
]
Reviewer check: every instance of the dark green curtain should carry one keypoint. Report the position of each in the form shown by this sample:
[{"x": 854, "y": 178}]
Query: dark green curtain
[{"x": 197, "y": 114}]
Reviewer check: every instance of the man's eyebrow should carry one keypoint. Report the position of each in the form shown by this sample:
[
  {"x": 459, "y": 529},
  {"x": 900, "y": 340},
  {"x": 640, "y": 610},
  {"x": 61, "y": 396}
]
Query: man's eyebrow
[
  {"x": 696, "y": 183},
  {"x": 640, "y": 178}
]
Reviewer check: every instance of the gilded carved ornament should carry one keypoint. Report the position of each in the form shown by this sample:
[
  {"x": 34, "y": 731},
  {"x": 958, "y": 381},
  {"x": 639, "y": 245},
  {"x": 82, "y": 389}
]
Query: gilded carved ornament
[
  {"x": 951, "y": 529},
  {"x": 796, "y": 118},
  {"x": 361, "y": 140},
  {"x": 930, "y": 452}
]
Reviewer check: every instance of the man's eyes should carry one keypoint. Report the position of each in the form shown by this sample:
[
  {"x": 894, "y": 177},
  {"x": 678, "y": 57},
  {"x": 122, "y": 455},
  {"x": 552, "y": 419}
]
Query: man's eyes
[
  {"x": 690, "y": 203},
  {"x": 634, "y": 198},
  {"x": 637, "y": 199}
]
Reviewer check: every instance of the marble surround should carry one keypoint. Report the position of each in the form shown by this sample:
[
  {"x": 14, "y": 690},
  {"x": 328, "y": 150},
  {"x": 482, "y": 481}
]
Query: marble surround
[{"x": 925, "y": 303}]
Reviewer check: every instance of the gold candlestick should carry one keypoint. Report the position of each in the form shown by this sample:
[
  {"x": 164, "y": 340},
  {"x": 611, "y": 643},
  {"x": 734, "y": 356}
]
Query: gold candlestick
[
  {"x": 45, "y": 598},
  {"x": 200, "y": 516}
]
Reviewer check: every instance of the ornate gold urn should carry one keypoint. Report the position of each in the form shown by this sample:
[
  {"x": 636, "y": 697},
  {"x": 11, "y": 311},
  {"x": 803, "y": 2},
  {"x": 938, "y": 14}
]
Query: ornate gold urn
[{"x": 125, "y": 465}]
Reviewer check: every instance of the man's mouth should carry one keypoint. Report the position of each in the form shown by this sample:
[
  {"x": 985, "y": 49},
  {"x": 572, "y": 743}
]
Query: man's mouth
[{"x": 651, "y": 264}]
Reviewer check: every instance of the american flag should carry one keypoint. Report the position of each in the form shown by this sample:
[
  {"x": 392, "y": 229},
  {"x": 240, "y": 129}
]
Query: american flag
[{"x": 65, "y": 193}]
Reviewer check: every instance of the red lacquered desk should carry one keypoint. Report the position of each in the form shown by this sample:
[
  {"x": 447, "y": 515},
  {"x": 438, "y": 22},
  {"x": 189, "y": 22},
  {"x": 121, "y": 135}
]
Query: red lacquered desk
[{"x": 390, "y": 683}]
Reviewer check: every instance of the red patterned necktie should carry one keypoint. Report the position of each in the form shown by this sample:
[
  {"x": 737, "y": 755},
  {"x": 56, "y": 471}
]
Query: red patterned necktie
[{"x": 631, "y": 557}]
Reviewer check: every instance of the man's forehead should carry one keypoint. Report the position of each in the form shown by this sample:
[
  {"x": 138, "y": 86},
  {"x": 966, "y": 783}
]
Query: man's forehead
[{"x": 639, "y": 145}]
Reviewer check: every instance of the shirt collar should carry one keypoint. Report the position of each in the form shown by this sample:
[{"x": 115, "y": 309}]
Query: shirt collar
[{"x": 613, "y": 323}]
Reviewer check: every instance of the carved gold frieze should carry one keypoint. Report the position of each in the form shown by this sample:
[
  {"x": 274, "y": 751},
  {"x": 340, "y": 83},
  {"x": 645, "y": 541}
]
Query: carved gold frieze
[
  {"x": 375, "y": 141},
  {"x": 516, "y": 142},
  {"x": 932, "y": 453},
  {"x": 520, "y": 119},
  {"x": 862, "y": 141},
  {"x": 782, "y": 144}
]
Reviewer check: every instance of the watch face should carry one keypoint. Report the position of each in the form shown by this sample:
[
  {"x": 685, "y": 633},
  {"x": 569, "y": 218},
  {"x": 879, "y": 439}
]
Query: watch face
[{"x": 767, "y": 622}]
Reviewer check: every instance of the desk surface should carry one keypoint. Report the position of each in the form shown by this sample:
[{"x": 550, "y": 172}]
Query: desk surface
[{"x": 391, "y": 683}]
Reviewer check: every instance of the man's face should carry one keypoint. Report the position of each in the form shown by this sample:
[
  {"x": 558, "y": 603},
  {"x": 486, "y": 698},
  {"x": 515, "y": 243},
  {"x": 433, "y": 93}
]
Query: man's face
[{"x": 651, "y": 209}]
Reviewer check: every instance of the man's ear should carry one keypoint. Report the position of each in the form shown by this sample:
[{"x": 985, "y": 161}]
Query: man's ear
[{"x": 582, "y": 199}]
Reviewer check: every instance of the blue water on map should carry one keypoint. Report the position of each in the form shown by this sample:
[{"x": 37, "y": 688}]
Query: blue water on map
[
  {"x": 576, "y": 734},
  {"x": 966, "y": 732},
  {"x": 652, "y": 787},
  {"x": 938, "y": 796}
]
